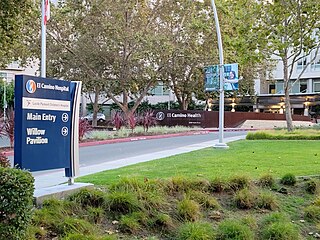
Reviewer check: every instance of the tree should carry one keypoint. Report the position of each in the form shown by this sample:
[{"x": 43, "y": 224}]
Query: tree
[
  {"x": 112, "y": 46},
  {"x": 9, "y": 88},
  {"x": 291, "y": 30},
  {"x": 188, "y": 46},
  {"x": 17, "y": 29},
  {"x": 191, "y": 44},
  {"x": 240, "y": 42}
]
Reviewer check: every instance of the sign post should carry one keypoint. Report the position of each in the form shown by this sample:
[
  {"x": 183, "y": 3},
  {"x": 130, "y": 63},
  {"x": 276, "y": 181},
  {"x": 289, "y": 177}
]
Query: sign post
[{"x": 46, "y": 124}]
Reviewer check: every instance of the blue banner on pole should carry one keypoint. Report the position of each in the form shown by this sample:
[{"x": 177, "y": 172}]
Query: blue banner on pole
[
  {"x": 212, "y": 79},
  {"x": 43, "y": 123}
]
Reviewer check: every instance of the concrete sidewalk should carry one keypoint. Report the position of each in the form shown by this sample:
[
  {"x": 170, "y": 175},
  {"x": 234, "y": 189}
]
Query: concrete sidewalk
[{"x": 49, "y": 181}]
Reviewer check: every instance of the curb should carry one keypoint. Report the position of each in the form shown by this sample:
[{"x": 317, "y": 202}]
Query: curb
[{"x": 131, "y": 139}]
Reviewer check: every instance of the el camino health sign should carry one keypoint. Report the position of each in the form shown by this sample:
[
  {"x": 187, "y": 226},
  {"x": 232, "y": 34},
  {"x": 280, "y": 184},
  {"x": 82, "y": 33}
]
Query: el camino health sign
[{"x": 46, "y": 124}]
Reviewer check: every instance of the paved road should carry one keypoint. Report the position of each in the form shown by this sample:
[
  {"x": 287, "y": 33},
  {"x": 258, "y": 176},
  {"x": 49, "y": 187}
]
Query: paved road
[
  {"x": 111, "y": 156},
  {"x": 111, "y": 152}
]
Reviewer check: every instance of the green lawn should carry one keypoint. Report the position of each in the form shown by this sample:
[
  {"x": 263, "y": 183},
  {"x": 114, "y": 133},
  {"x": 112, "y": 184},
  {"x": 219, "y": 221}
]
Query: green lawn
[{"x": 252, "y": 158}]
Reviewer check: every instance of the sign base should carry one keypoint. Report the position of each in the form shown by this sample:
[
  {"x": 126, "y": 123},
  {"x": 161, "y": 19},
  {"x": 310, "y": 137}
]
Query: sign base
[{"x": 221, "y": 146}]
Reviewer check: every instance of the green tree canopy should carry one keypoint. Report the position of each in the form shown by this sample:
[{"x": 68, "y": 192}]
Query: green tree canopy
[
  {"x": 290, "y": 29},
  {"x": 18, "y": 29}
]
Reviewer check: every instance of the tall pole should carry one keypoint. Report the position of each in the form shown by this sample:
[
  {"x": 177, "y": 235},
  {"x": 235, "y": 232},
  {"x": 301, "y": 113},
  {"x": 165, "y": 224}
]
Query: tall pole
[
  {"x": 221, "y": 144},
  {"x": 43, "y": 39},
  {"x": 4, "y": 100}
]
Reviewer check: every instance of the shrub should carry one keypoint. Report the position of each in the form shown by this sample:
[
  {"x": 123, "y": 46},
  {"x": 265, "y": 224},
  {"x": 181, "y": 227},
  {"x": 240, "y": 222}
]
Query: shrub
[
  {"x": 16, "y": 193},
  {"x": 129, "y": 224},
  {"x": 147, "y": 120},
  {"x": 312, "y": 212},
  {"x": 204, "y": 199},
  {"x": 4, "y": 161},
  {"x": 217, "y": 185},
  {"x": 280, "y": 231},
  {"x": 273, "y": 218},
  {"x": 288, "y": 179},
  {"x": 317, "y": 202},
  {"x": 117, "y": 119},
  {"x": 153, "y": 199},
  {"x": 311, "y": 186},
  {"x": 163, "y": 220},
  {"x": 122, "y": 202},
  {"x": 195, "y": 231},
  {"x": 199, "y": 184},
  {"x": 49, "y": 217},
  {"x": 267, "y": 200},
  {"x": 257, "y": 135},
  {"x": 250, "y": 221},
  {"x": 132, "y": 121},
  {"x": 77, "y": 236},
  {"x": 127, "y": 184},
  {"x": 239, "y": 182},
  {"x": 188, "y": 210},
  {"x": 245, "y": 199},
  {"x": 74, "y": 225},
  {"x": 88, "y": 198},
  {"x": 95, "y": 214},
  {"x": 267, "y": 180},
  {"x": 35, "y": 232},
  {"x": 178, "y": 184},
  {"x": 84, "y": 127},
  {"x": 232, "y": 229}
]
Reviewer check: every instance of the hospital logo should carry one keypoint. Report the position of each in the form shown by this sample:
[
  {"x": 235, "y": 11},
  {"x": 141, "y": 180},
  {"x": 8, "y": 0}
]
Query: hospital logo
[{"x": 31, "y": 86}]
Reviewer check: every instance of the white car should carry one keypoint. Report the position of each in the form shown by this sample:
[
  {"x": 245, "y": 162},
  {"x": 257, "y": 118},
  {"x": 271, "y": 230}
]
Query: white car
[{"x": 100, "y": 117}]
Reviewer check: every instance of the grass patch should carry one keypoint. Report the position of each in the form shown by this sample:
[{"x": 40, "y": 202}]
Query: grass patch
[
  {"x": 195, "y": 231},
  {"x": 179, "y": 208},
  {"x": 257, "y": 157},
  {"x": 283, "y": 134},
  {"x": 138, "y": 131},
  {"x": 233, "y": 229},
  {"x": 181, "y": 197}
]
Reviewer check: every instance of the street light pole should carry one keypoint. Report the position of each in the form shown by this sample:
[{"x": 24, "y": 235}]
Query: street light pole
[
  {"x": 221, "y": 144},
  {"x": 4, "y": 100}
]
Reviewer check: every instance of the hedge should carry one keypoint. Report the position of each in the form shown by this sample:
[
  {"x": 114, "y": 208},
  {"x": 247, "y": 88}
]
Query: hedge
[{"x": 16, "y": 199}]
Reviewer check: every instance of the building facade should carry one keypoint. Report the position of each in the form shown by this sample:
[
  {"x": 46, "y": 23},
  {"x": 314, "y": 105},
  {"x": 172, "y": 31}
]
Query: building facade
[{"x": 304, "y": 84}]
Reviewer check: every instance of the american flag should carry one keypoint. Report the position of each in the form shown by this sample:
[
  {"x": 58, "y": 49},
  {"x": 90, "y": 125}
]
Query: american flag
[{"x": 47, "y": 11}]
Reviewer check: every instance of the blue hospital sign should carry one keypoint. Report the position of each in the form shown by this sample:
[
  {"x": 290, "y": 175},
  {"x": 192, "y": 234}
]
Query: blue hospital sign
[{"x": 45, "y": 119}]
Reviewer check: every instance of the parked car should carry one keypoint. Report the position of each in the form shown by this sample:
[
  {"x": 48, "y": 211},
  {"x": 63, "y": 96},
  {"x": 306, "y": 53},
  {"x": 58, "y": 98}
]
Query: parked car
[{"x": 100, "y": 117}]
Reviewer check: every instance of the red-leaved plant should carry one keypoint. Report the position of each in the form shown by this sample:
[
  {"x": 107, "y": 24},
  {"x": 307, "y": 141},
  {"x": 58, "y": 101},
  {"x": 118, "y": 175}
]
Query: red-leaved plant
[
  {"x": 117, "y": 119},
  {"x": 7, "y": 127},
  {"x": 84, "y": 127},
  {"x": 148, "y": 119},
  {"x": 132, "y": 121}
]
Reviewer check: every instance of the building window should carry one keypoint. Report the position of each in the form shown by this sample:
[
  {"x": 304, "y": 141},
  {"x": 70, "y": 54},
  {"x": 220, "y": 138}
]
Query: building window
[
  {"x": 303, "y": 86},
  {"x": 301, "y": 63},
  {"x": 272, "y": 89},
  {"x": 8, "y": 77},
  {"x": 159, "y": 90},
  {"x": 316, "y": 64},
  {"x": 316, "y": 86},
  {"x": 279, "y": 87}
]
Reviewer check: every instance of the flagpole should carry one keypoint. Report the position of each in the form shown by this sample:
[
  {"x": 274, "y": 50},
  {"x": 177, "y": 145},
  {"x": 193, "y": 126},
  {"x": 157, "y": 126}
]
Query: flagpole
[{"x": 43, "y": 39}]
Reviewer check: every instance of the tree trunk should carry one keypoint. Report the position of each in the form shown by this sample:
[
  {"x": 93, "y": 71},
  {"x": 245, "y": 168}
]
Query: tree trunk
[
  {"x": 95, "y": 106},
  {"x": 286, "y": 81},
  {"x": 185, "y": 104}
]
